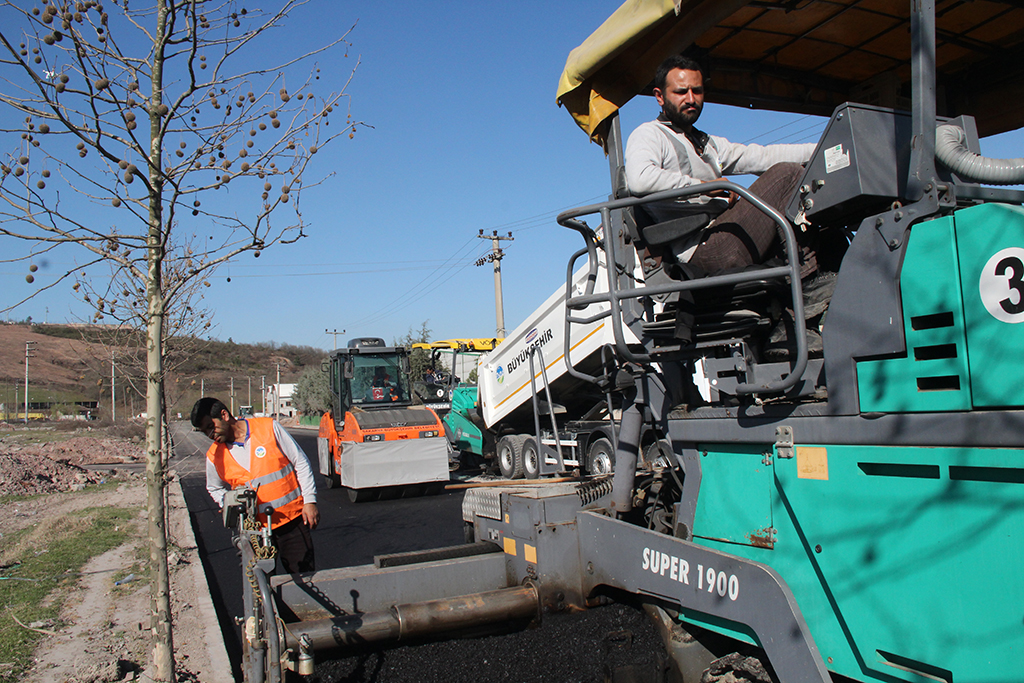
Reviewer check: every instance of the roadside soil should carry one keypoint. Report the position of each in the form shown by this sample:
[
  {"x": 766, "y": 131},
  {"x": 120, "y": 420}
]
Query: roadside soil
[{"x": 103, "y": 632}]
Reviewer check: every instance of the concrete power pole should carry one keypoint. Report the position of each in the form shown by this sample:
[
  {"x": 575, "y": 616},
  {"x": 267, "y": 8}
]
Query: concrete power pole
[
  {"x": 495, "y": 257},
  {"x": 29, "y": 347},
  {"x": 113, "y": 394},
  {"x": 335, "y": 333},
  {"x": 232, "y": 393}
]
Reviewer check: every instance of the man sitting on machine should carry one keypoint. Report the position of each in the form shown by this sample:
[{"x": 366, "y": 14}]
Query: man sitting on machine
[{"x": 718, "y": 233}]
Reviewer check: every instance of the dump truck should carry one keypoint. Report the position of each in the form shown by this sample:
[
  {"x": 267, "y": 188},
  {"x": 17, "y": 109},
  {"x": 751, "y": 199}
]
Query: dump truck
[
  {"x": 528, "y": 414},
  {"x": 378, "y": 440},
  {"x": 853, "y": 516}
]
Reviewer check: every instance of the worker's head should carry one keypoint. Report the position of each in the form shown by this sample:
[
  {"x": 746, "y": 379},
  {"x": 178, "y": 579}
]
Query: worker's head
[
  {"x": 211, "y": 417},
  {"x": 679, "y": 89}
]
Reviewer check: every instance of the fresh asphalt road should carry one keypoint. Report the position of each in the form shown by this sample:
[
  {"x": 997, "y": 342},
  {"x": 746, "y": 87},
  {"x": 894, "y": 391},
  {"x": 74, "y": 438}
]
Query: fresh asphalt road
[{"x": 601, "y": 644}]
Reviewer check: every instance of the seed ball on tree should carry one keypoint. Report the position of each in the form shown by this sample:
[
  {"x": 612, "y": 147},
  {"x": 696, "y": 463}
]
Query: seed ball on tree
[
  {"x": 43, "y": 128},
  {"x": 46, "y": 174},
  {"x": 18, "y": 171},
  {"x": 102, "y": 84},
  {"x": 116, "y": 202},
  {"x": 33, "y": 268},
  {"x": 23, "y": 160},
  {"x": 29, "y": 279}
]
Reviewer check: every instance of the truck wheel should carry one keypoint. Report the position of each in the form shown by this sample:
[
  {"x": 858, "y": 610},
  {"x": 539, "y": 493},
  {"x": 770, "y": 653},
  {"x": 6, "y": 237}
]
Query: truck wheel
[
  {"x": 658, "y": 455},
  {"x": 362, "y": 495},
  {"x": 531, "y": 458},
  {"x": 332, "y": 481},
  {"x": 601, "y": 458},
  {"x": 510, "y": 456}
]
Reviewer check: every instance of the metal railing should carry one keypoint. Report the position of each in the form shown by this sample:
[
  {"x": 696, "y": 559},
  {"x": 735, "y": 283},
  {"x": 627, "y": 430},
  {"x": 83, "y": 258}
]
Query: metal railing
[{"x": 616, "y": 295}]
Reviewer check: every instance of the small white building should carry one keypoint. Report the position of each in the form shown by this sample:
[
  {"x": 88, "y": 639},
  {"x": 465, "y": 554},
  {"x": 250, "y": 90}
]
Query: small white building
[{"x": 278, "y": 400}]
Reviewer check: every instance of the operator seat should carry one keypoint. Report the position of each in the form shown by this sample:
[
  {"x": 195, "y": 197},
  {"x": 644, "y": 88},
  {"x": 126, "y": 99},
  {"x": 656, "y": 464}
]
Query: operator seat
[{"x": 748, "y": 309}]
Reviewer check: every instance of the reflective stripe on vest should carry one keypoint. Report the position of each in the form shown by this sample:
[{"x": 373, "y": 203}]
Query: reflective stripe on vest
[{"x": 271, "y": 476}]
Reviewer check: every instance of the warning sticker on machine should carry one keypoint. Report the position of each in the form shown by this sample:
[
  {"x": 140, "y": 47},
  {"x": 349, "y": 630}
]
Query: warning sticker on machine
[{"x": 836, "y": 159}]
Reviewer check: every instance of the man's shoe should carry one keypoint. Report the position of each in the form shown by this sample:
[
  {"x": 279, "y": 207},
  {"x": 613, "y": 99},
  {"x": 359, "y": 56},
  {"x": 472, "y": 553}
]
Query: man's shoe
[
  {"x": 817, "y": 293},
  {"x": 781, "y": 344}
]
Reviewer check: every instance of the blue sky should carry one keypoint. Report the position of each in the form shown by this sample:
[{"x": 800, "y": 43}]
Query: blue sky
[{"x": 464, "y": 134}]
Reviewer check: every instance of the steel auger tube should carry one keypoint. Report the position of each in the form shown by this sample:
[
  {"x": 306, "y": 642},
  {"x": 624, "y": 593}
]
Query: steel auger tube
[{"x": 417, "y": 619}]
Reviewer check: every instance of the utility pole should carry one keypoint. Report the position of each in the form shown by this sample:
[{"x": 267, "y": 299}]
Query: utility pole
[
  {"x": 495, "y": 257},
  {"x": 277, "y": 392},
  {"x": 250, "y": 391},
  {"x": 29, "y": 348},
  {"x": 113, "y": 394},
  {"x": 263, "y": 394},
  {"x": 232, "y": 393},
  {"x": 335, "y": 333}
]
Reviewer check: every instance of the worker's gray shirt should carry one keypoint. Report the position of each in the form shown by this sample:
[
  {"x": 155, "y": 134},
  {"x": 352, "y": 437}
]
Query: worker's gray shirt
[
  {"x": 217, "y": 487},
  {"x": 658, "y": 159}
]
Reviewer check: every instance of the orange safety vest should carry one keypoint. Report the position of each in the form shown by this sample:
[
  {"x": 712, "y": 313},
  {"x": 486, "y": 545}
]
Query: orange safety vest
[{"x": 271, "y": 474}]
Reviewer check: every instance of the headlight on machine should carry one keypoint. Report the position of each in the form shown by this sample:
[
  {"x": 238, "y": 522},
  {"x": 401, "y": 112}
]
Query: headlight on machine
[
  {"x": 373, "y": 437},
  {"x": 429, "y": 433}
]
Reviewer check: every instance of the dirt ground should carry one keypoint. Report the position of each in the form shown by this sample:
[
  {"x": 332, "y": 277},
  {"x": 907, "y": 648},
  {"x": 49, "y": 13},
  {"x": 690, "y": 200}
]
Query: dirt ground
[{"x": 104, "y": 635}]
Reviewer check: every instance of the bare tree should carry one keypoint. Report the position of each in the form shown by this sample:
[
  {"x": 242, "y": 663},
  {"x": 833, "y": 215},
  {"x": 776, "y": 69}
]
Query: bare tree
[{"x": 160, "y": 139}]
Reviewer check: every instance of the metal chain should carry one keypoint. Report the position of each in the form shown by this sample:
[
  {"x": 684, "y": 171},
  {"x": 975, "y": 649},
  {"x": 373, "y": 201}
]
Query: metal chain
[{"x": 260, "y": 552}]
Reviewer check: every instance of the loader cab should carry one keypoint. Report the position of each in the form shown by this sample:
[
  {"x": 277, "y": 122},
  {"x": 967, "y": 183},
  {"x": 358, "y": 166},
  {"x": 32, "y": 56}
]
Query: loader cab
[{"x": 369, "y": 375}]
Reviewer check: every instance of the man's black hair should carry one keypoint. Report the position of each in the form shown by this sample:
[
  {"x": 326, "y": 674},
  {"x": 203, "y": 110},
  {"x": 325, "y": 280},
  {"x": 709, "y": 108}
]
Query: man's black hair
[
  {"x": 206, "y": 407},
  {"x": 675, "y": 62}
]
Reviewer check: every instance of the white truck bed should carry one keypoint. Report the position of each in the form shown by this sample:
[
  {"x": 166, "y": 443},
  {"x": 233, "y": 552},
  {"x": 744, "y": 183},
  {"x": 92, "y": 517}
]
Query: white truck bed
[{"x": 503, "y": 375}]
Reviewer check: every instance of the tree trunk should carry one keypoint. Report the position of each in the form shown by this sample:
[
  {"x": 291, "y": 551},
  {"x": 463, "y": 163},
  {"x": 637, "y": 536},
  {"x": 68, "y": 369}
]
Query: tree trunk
[{"x": 160, "y": 589}]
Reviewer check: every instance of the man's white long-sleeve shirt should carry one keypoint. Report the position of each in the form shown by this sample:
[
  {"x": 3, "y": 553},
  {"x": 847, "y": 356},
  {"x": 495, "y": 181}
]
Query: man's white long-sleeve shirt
[
  {"x": 658, "y": 158},
  {"x": 217, "y": 487}
]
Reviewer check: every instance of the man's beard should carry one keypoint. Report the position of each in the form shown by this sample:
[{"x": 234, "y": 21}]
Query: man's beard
[{"x": 681, "y": 118}]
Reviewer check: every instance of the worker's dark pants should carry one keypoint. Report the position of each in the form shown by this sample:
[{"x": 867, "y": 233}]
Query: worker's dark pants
[
  {"x": 294, "y": 547},
  {"x": 742, "y": 235}
]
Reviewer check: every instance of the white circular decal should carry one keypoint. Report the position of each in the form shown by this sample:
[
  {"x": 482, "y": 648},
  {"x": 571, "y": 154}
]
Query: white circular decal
[
  {"x": 261, "y": 452},
  {"x": 1002, "y": 285}
]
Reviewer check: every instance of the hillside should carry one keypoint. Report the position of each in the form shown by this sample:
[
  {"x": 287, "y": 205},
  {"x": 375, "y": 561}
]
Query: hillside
[{"x": 73, "y": 363}]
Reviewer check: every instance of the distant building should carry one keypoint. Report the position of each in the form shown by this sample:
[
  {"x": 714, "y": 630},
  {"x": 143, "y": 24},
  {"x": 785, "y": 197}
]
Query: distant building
[{"x": 278, "y": 399}]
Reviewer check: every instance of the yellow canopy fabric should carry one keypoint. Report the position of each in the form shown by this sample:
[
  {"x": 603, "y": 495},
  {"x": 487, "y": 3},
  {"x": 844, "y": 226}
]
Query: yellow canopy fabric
[
  {"x": 619, "y": 59},
  {"x": 803, "y": 56}
]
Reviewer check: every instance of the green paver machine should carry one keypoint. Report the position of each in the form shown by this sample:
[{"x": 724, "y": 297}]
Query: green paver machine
[{"x": 852, "y": 516}]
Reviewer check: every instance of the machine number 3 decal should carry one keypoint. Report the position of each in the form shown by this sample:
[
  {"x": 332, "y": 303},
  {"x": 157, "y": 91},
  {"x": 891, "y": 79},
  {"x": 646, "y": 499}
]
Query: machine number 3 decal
[{"x": 1002, "y": 285}]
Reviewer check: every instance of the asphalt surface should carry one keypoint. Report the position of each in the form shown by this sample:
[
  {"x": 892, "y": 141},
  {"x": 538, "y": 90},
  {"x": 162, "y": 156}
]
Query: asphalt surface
[{"x": 614, "y": 643}]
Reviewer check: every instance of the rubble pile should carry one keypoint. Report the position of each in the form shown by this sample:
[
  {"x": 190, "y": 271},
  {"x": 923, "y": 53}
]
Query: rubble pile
[{"x": 54, "y": 467}]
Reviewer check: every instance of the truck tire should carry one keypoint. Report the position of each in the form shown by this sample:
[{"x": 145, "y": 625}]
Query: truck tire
[
  {"x": 531, "y": 458},
  {"x": 332, "y": 481},
  {"x": 658, "y": 455},
  {"x": 601, "y": 457},
  {"x": 510, "y": 456},
  {"x": 363, "y": 495}
]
